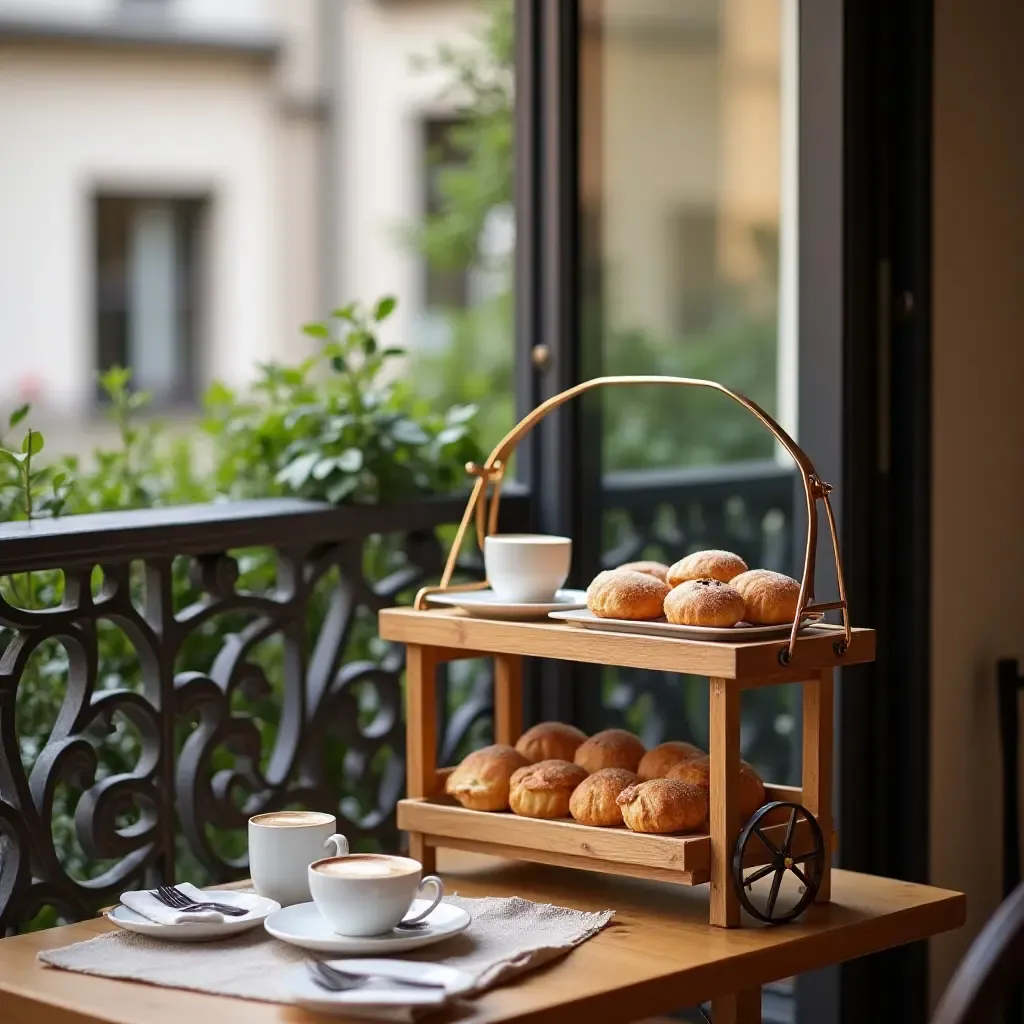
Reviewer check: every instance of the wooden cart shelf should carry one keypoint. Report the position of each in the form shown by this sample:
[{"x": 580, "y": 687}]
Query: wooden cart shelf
[
  {"x": 682, "y": 859},
  {"x": 751, "y": 664}
]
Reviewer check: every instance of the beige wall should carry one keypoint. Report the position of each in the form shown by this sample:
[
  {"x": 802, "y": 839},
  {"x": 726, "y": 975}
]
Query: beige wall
[{"x": 978, "y": 509}]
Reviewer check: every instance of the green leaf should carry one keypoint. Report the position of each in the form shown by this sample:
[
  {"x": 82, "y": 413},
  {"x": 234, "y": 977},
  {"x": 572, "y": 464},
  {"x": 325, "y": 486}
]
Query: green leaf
[
  {"x": 407, "y": 431},
  {"x": 58, "y": 481},
  {"x": 461, "y": 413},
  {"x": 297, "y": 472},
  {"x": 350, "y": 460},
  {"x": 452, "y": 434},
  {"x": 385, "y": 307},
  {"x": 338, "y": 364},
  {"x": 18, "y": 415},
  {"x": 33, "y": 442},
  {"x": 391, "y": 352},
  {"x": 369, "y": 344},
  {"x": 342, "y": 489},
  {"x": 12, "y": 457},
  {"x": 324, "y": 468},
  {"x": 317, "y": 331},
  {"x": 345, "y": 312}
]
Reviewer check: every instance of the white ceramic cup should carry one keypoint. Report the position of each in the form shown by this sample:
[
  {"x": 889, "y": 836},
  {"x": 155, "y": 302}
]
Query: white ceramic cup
[
  {"x": 369, "y": 893},
  {"x": 282, "y": 845},
  {"x": 526, "y": 568}
]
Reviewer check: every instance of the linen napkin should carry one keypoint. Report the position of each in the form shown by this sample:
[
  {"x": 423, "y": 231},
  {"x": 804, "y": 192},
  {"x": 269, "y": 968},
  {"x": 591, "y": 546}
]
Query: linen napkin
[{"x": 145, "y": 903}]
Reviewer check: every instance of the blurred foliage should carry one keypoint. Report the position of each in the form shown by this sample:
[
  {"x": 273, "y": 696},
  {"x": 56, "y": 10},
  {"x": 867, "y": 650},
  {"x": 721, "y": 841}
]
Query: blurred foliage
[{"x": 337, "y": 427}]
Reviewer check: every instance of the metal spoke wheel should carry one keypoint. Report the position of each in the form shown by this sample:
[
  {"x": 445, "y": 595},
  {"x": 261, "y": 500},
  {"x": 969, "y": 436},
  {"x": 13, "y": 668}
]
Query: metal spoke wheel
[{"x": 800, "y": 854}]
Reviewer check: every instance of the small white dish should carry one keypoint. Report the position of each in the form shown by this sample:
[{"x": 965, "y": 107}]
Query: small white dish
[
  {"x": 303, "y": 925},
  {"x": 486, "y": 604},
  {"x": 378, "y": 991},
  {"x": 199, "y": 931},
  {"x": 660, "y": 627}
]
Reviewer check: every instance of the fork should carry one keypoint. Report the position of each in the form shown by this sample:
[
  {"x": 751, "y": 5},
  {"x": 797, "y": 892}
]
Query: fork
[
  {"x": 174, "y": 898},
  {"x": 335, "y": 980}
]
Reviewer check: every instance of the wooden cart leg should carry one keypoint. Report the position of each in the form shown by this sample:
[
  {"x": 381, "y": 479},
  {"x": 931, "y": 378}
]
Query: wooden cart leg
[
  {"x": 724, "y": 811},
  {"x": 421, "y": 739},
  {"x": 738, "y": 1008},
  {"x": 817, "y": 765},
  {"x": 508, "y": 698}
]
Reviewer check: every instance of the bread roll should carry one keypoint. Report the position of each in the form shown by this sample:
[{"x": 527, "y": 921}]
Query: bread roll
[
  {"x": 624, "y": 594},
  {"x": 697, "y": 772},
  {"x": 704, "y": 602},
  {"x": 543, "y": 790},
  {"x": 595, "y": 800},
  {"x": 658, "y": 760},
  {"x": 700, "y": 565},
  {"x": 550, "y": 741},
  {"x": 481, "y": 781},
  {"x": 770, "y": 599},
  {"x": 656, "y": 569},
  {"x": 613, "y": 748},
  {"x": 664, "y": 805}
]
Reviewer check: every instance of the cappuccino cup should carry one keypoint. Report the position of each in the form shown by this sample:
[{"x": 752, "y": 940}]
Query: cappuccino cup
[
  {"x": 526, "y": 568},
  {"x": 282, "y": 845},
  {"x": 368, "y": 893}
]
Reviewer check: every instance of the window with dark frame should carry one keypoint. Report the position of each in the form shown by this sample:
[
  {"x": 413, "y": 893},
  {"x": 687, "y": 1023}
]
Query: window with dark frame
[
  {"x": 444, "y": 288},
  {"x": 147, "y": 294}
]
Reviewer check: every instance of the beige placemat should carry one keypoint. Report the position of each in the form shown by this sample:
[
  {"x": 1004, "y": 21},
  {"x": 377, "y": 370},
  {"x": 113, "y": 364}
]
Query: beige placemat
[{"x": 507, "y": 936}]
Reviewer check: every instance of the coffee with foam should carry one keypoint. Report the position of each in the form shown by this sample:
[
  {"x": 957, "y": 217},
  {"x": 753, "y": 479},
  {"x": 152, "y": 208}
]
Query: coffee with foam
[
  {"x": 292, "y": 819},
  {"x": 365, "y": 866}
]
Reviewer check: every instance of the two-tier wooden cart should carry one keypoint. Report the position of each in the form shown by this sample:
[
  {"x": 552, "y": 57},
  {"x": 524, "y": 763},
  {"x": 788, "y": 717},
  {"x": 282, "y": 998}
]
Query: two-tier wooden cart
[{"x": 808, "y": 656}]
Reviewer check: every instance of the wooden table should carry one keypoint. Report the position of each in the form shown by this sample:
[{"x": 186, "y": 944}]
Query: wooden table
[{"x": 658, "y": 954}]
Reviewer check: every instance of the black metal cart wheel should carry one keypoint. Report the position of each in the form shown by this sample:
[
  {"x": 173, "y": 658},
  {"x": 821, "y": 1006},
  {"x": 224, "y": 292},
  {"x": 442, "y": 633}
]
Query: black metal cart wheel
[{"x": 806, "y": 864}]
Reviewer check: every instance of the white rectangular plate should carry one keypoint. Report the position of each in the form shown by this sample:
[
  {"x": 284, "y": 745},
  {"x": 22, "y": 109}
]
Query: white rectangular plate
[{"x": 660, "y": 627}]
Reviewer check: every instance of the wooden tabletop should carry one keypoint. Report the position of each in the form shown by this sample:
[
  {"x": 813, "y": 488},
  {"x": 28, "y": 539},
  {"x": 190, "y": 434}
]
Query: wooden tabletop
[
  {"x": 658, "y": 954},
  {"x": 753, "y": 663}
]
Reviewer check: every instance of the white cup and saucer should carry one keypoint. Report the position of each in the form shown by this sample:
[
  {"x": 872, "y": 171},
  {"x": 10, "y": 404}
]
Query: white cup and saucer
[
  {"x": 367, "y": 903},
  {"x": 526, "y": 573}
]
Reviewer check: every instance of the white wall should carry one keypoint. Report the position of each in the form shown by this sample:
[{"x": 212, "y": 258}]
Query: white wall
[
  {"x": 978, "y": 424},
  {"x": 77, "y": 119}
]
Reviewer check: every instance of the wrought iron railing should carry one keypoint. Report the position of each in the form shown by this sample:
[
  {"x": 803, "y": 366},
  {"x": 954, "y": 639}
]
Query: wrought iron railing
[
  {"x": 166, "y": 673},
  {"x": 170, "y": 672}
]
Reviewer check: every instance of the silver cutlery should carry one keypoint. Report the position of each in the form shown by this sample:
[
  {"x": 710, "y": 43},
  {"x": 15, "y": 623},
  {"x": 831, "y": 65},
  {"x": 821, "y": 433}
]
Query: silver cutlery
[
  {"x": 174, "y": 898},
  {"x": 335, "y": 980}
]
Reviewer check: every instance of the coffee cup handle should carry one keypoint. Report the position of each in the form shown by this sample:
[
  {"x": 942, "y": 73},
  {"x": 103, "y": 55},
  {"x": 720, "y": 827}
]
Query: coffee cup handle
[
  {"x": 438, "y": 896},
  {"x": 340, "y": 844}
]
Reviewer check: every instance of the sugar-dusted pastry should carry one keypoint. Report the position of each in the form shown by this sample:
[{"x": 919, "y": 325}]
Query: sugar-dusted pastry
[
  {"x": 704, "y": 602},
  {"x": 714, "y": 565},
  {"x": 656, "y": 569},
  {"x": 550, "y": 741},
  {"x": 770, "y": 597},
  {"x": 481, "y": 781},
  {"x": 543, "y": 790},
  {"x": 613, "y": 748},
  {"x": 595, "y": 800},
  {"x": 625, "y": 594},
  {"x": 664, "y": 805},
  {"x": 658, "y": 760},
  {"x": 698, "y": 773}
]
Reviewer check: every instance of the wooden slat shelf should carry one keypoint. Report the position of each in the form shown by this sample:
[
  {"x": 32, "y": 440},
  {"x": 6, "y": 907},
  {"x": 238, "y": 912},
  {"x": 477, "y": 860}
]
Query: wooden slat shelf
[
  {"x": 683, "y": 859},
  {"x": 752, "y": 664}
]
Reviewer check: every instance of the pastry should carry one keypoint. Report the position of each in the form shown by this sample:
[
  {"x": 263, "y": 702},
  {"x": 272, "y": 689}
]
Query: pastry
[
  {"x": 657, "y": 761},
  {"x": 700, "y": 565},
  {"x": 625, "y": 594},
  {"x": 543, "y": 790},
  {"x": 656, "y": 569},
  {"x": 594, "y": 800},
  {"x": 481, "y": 781},
  {"x": 770, "y": 598},
  {"x": 550, "y": 741},
  {"x": 664, "y": 805},
  {"x": 613, "y": 748},
  {"x": 697, "y": 772},
  {"x": 704, "y": 602}
]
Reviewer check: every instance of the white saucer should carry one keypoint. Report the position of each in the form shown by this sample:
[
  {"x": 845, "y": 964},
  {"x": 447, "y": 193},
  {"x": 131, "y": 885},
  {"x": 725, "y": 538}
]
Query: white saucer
[
  {"x": 302, "y": 925},
  {"x": 485, "y": 604},
  {"x": 378, "y": 992},
  {"x": 204, "y": 931},
  {"x": 741, "y": 633}
]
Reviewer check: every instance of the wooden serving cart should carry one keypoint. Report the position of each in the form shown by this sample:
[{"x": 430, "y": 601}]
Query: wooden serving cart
[{"x": 790, "y": 835}]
